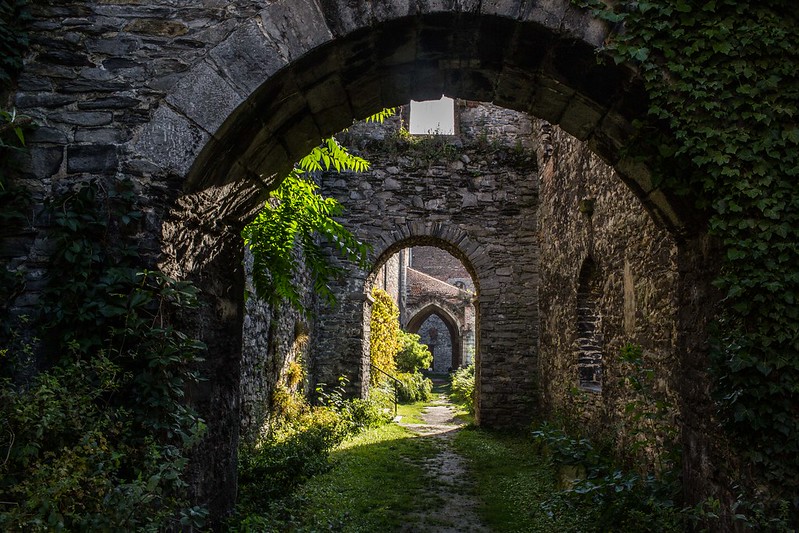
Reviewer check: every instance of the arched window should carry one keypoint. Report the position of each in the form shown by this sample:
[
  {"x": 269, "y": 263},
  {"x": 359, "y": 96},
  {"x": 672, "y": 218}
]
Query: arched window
[{"x": 589, "y": 338}]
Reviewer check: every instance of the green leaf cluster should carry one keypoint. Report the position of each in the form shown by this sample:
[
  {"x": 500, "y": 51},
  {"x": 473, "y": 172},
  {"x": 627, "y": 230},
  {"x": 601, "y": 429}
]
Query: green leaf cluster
[
  {"x": 412, "y": 356},
  {"x": 723, "y": 81},
  {"x": 297, "y": 227},
  {"x": 14, "y": 15},
  {"x": 384, "y": 334},
  {"x": 462, "y": 391}
]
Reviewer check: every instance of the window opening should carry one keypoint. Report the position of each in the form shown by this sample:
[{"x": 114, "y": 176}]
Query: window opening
[
  {"x": 432, "y": 117},
  {"x": 589, "y": 339}
]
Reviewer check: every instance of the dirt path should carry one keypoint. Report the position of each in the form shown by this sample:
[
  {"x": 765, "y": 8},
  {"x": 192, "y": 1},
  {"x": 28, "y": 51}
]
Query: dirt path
[{"x": 450, "y": 487}]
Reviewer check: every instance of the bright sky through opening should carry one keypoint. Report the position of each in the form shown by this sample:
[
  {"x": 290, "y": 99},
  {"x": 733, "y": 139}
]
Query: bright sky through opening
[{"x": 433, "y": 117}]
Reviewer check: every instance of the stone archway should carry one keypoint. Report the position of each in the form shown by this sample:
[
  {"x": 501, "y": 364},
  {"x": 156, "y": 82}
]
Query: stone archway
[
  {"x": 450, "y": 322},
  {"x": 213, "y": 114}
]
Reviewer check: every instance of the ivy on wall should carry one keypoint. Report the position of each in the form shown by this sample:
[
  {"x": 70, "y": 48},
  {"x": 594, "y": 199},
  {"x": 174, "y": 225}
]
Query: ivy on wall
[
  {"x": 295, "y": 223},
  {"x": 79, "y": 455},
  {"x": 723, "y": 81},
  {"x": 384, "y": 334}
]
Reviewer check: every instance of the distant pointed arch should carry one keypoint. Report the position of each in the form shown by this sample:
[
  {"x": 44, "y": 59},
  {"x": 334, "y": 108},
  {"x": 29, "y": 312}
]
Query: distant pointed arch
[{"x": 418, "y": 319}]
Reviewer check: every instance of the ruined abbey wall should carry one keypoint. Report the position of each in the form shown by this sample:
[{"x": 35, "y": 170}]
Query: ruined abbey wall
[
  {"x": 428, "y": 191},
  {"x": 588, "y": 219},
  {"x": 203, "y": 106}
]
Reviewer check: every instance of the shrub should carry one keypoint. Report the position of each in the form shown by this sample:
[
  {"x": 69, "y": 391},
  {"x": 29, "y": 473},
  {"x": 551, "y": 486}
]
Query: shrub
[
  {"x": 364, "y": 414},
  {"x": 462, "y": 391},
  {"x": 413, "y": 387},
  {"x": 297, "y": 443},
  {"x": 412, "y": 355},
  {"x": 384, "y": 336},
  {"x": 615, "y": 499},
  {"x": 287, "y": 456},
  {"x": 76, "y": 461}
]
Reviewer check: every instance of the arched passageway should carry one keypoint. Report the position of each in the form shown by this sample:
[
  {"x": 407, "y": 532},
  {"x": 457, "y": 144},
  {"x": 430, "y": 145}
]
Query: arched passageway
[
  {"x": 225, "y": 110},
  {"x": 455, "y": 357}
]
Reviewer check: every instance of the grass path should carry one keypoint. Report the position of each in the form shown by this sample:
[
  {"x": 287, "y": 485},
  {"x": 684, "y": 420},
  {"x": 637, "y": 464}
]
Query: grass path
[
  {"x": 448, "y": 480},
  {"x": 429, "y": 473}
]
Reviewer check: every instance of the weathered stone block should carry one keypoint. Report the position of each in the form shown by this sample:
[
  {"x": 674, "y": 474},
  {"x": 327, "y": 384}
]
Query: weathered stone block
[
  {"x": 248, "y": 57},
  {"x": 83, "y": 118},
  {"x": 298, "y": 26},
  {"x": 91, "y": 158},
  {"x": 205, "y": 97},
  {"x": 170, "y": 140}
]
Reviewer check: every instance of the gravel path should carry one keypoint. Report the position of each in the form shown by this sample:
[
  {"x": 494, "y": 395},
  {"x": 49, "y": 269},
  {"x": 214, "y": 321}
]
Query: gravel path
[{"x": 450, "y": 487}]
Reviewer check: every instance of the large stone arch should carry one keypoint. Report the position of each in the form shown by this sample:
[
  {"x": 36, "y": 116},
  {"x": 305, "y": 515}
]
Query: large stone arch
[
  {"x": 256, "y": 90},
  {"x": 454, "y": 328},
  {"x": 300, "y": 70}
]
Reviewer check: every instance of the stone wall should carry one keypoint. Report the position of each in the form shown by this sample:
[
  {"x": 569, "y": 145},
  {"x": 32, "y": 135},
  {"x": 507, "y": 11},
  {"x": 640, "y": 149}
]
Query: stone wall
[
  {"x": 477, "y": 201},
  {"x": 204, "y": 105},
  {"x": 272, "y": 338},
  {"x": 594, "y": 230},
  {"x": 430, "y": 300},
  {"x": 434, "y": 333}
]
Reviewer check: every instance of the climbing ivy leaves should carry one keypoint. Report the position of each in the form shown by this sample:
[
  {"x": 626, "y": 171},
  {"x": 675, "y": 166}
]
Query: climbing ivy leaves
[{"x": 723, "y": 82}]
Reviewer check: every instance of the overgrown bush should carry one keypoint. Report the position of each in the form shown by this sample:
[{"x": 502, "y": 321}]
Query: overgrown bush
[
  {"x": 365, "y": 414},
  {"x": 412, "y": 355},
  {"x": 297, "y": 444},
  {"x": 615, "y": 499},
  {"x": 289, "y": 455},
  {"x": 384, "y": 334},
  {"x": 413, "y": 387},
  {"x": 98, "y": 440},
  {"x": 462, "y": 391}
]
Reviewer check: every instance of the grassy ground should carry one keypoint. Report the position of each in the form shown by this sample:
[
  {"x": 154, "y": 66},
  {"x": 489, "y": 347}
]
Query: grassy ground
[
  {"x": 411, "y": 413},
  {"x": 513, "y": 480},
  {"x": 375, "y": 481}
]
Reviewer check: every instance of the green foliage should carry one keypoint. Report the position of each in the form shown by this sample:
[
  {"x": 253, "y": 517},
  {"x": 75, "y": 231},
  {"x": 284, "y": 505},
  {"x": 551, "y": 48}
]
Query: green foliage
[
  {"x": 297, "y": 223},
  {"x": 412, "y": 355},
  {"x": 512, "y": 480},
  {"x": 299, "y": 449},
  {"x": 724, "y": 96},
  {"x": 353, "y": 495},
  {"x": 297, "y": 443},
  {"x": 80, "y": 454},
  {"x": 610, "y": 498},
  {"x": 413, "y": 387},
  {"x": 13, "y": 205},
  {"x": 384, "y": 334},
  {"x": 296, "y": 215},
  {"x": 462, "y": 390},
  {"x": 650, "y": 419},
  {"x": 14, "y": 16}
]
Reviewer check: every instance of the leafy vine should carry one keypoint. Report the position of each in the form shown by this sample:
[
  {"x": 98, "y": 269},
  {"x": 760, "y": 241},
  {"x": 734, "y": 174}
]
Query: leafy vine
[
  {"x": 296, "y": 222},
  {"x": 723, "y": 85}
]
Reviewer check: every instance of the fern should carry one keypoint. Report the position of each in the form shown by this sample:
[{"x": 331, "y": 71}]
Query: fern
[{"x": 297, "y": 223}]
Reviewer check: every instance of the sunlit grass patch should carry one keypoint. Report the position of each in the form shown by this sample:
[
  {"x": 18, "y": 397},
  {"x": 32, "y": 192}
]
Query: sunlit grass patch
[
  {"x": 412, "y": 413},
  {"x": 376, "y": 480}
]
